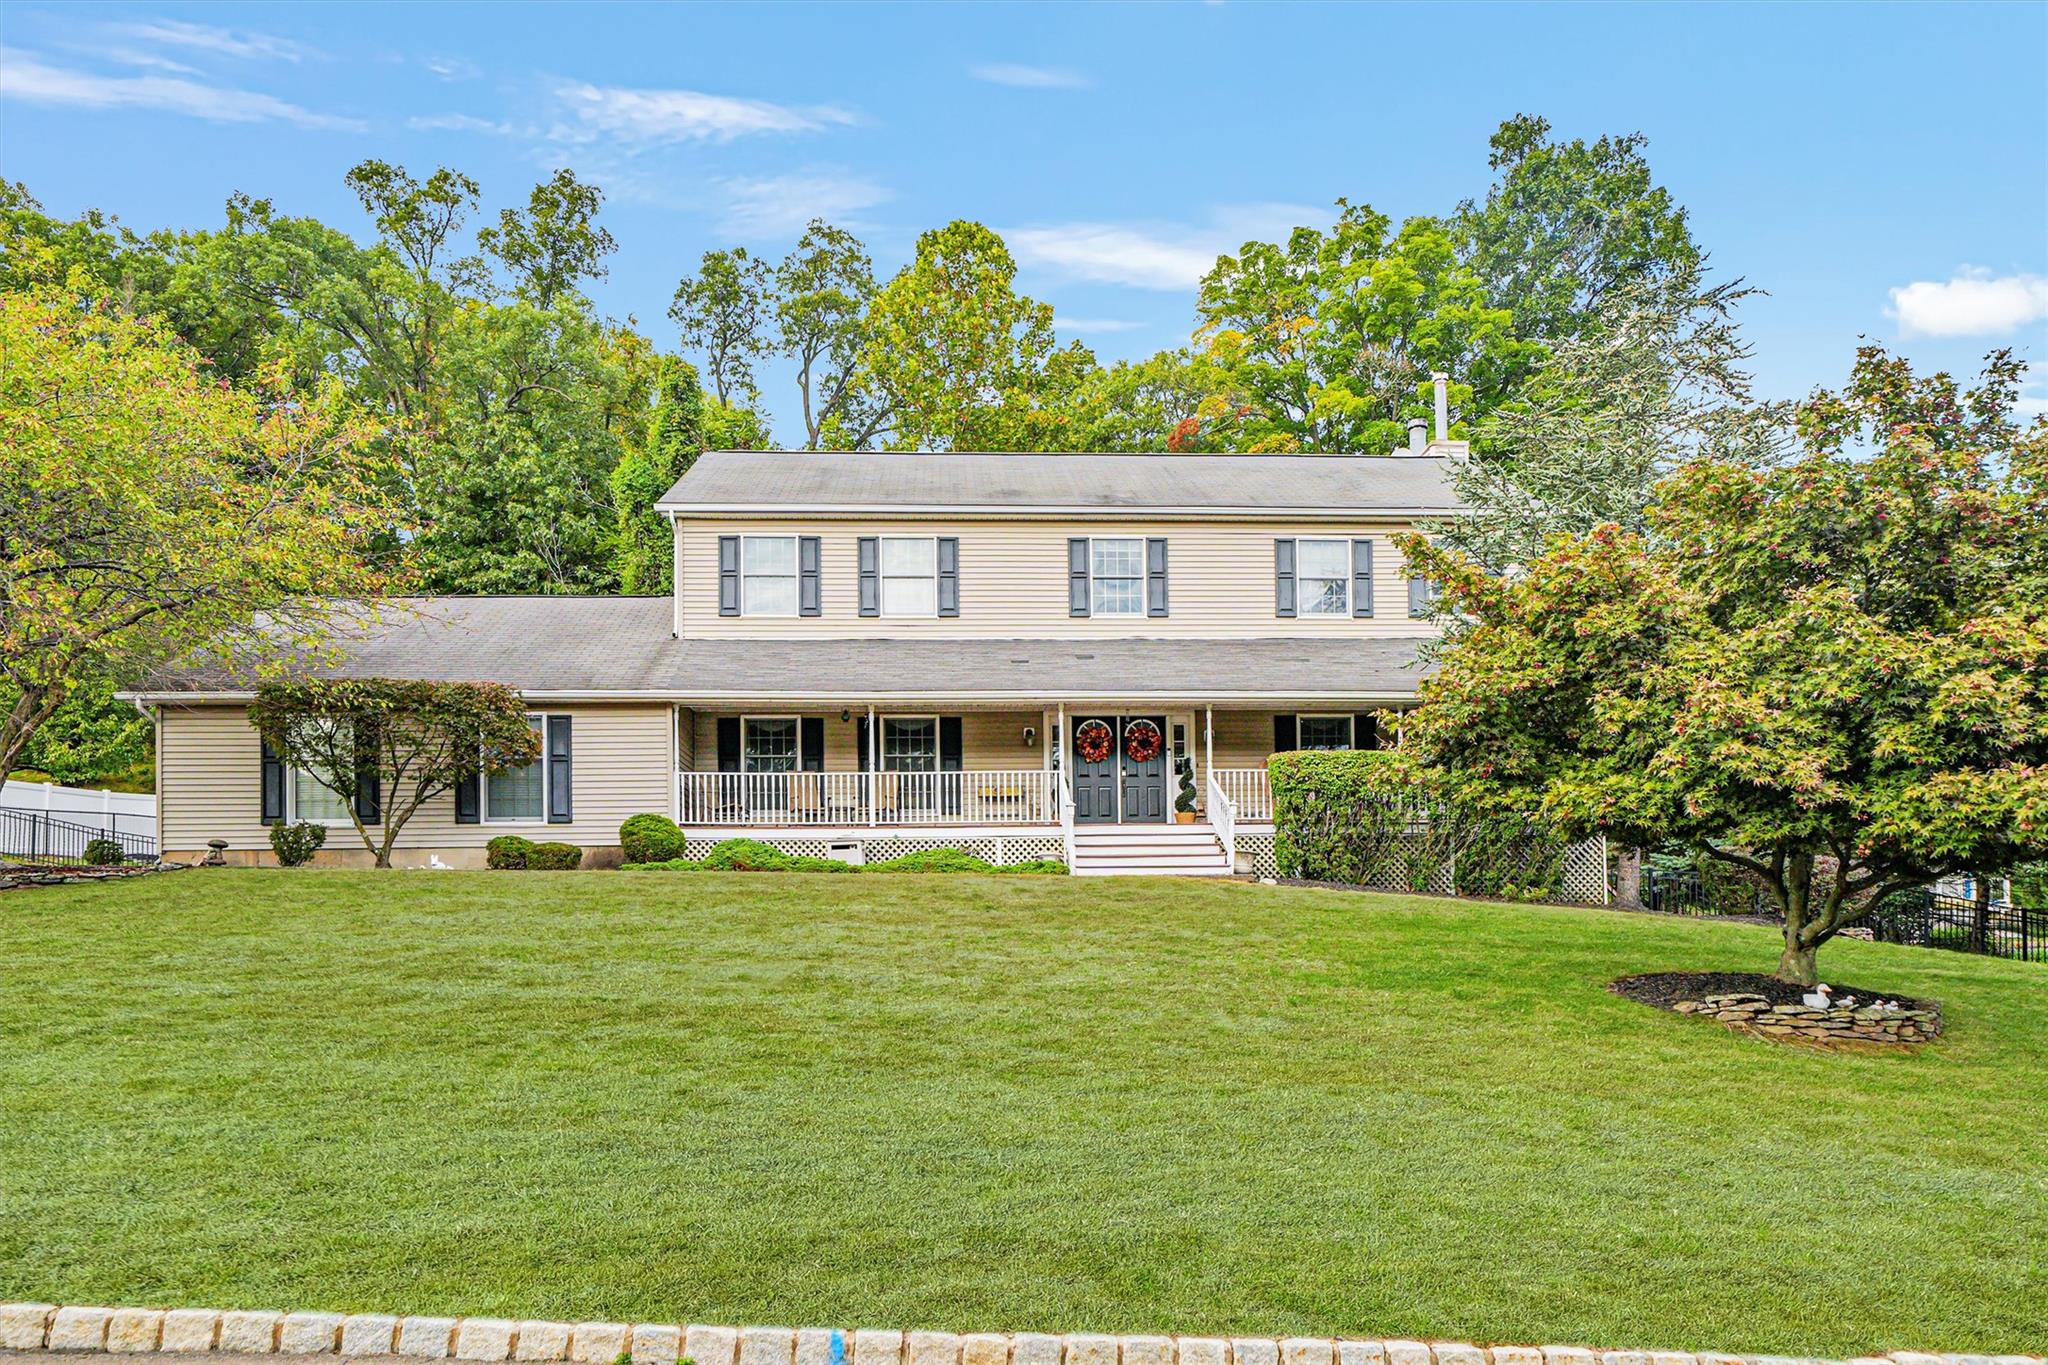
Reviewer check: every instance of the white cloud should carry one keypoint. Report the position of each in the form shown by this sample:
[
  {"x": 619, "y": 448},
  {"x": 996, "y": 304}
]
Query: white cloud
[
  {"x": 27, "y": 78},
  {"x": 129, "y": 56},
  {"x": 458, "y": 123},
  {"x": 453, "y": 68},
  {"x": 780, "y": 205},
  {"x": 1029, "y": 77},
  {"x": 1972, "y": 303},
  {"x": 683, "y": 115},
  {"x": 1088, "y": 326},
  {"x": 1154, "y": 256},
  {"x": 205, "y": 38}
]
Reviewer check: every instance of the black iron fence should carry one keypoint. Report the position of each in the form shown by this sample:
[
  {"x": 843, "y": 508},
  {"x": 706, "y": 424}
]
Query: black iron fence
[
  {"x": 1685, "y": 892},
  {"x": 30, "y": 836},
  {"x": 1928, "y": 920}
]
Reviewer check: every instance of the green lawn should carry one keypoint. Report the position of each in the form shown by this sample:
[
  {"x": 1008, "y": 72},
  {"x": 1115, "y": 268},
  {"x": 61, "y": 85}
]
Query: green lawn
[{"x": 982, "y": 1103}]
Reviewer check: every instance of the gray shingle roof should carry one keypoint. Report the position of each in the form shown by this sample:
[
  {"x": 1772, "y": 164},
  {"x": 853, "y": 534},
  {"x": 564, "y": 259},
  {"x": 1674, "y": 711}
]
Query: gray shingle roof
[
  {"x": 782, "y": 481},
  {"x": 597, "y": 645}
]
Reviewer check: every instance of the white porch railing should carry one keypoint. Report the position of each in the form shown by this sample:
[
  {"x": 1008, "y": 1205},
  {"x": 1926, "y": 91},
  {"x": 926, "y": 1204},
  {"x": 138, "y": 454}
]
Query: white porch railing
[
  {"x": 1223, "y": 819},
  {"x": 1064, "y": 795},
  {"x": 1251, "y": 796},
  {"x": 1020, "y": 796}
]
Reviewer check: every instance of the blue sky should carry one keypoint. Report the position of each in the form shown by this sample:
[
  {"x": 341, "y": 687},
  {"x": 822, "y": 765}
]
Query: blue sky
[{"x": 1881, "y": 170}]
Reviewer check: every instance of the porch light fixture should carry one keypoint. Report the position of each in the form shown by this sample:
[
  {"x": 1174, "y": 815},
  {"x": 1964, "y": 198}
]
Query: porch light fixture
[
  {"x": 845, "y": 715},
  {"x": 1030, "y": 737}
]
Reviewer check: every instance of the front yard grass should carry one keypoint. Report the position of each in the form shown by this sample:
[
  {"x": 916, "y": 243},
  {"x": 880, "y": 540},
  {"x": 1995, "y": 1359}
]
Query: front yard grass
[{"x": 996, "y": 1103}]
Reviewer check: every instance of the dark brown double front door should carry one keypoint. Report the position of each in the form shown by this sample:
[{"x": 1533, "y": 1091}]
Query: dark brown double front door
[{"x": 1117, "y": 787}]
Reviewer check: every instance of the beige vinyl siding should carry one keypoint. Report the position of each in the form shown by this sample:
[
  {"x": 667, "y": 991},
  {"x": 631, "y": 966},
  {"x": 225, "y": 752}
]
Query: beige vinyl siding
[
  {"x": 1013, "y": 581},
  {"x": 210, "y": 783}
]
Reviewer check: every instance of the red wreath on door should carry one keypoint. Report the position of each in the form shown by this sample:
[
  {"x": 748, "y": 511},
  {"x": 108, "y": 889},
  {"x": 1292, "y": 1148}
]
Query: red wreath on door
[
  {"x": 1142, "y": 741},
  {"x": 1093, "y": 741}
]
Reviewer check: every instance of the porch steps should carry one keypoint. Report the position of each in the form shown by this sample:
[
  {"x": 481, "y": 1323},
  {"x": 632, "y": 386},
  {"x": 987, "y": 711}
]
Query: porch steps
[{"x": 1148, "y": 851}]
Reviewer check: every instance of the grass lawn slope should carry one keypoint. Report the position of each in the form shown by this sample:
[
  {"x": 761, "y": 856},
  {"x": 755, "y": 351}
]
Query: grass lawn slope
[{"x": 994, "y": 1103}]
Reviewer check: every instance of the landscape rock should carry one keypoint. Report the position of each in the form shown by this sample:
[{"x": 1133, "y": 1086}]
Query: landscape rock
[
  {"x": 309, "y": 1334},
  {"x": 662, "y": 1344},
  {"x": 491, "y": 1339},
  {"x": 368, "y": 1334},
  {"x": 192, "y": 1331},
  {"x": 542, "y": 1341},
  {"x": 24, "y": 1326},
  {"x": 252, "y": 1333}
]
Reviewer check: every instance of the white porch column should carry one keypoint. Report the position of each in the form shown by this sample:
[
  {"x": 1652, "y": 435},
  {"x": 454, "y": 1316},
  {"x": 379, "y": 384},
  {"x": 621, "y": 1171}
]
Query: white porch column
[
  {"x": 874, "y": 761},
  {"x": 1208, "y": 744}
]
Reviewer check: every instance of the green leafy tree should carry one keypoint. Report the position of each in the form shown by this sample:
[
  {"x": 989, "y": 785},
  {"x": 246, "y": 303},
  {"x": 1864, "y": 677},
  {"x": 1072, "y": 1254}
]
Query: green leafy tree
[
  {"x": 723, "y": 312},
  {"x": 1328, "y": 341},
  {"x": 645, "y": 554},
  {"x": 153, "y": 511},
  {"x": 552, "y": 246},
  {"x": 93, "y": 739},
  {"x": 822, "y": 293},
  {"x": 1830, "y": 672},
  {"x": 1565, "y": 223},
  {"x": 394, "y": 744},
  {"x": 965, "y": 361}
]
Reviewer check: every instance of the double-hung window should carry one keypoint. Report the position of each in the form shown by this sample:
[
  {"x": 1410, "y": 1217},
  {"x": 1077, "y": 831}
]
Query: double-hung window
[
  {"x": 768, "y": 577},
  {"x": 1324, "y": 569},
  {"x": 519, "y": 795},
  {"x": 770, "y": 744},
  {"x": 312, "y": 799},
  {"x": 910, "y": 744},
  {"x": 910, "y": 576},
  {"x": 1324, "y": 732},
  {"x": 1116, "y": 573}
]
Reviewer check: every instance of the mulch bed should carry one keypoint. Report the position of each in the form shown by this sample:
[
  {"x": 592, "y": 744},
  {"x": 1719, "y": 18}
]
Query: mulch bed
[{"x": 1666, "y": 989}]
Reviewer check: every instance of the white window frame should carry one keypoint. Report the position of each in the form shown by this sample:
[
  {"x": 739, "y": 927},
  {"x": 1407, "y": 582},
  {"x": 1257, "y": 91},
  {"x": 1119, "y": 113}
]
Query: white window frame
[
  {"x": 882, "y": 744},
  {"x": 1301, "y": 580},
  {"x": 1144, "y": 578},
  {"x": 796, "y": 574},
  {"x": 1350, "y": 728},
  {"x": 292, "y": 774},
  {"x": 794, "y": 719},
  {"x": 882, "y": 577},
  {"x": 483, "y": 784}
]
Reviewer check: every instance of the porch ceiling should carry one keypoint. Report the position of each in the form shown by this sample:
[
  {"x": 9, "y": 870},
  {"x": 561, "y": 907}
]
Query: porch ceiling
[{"x": 595, "y": 647}]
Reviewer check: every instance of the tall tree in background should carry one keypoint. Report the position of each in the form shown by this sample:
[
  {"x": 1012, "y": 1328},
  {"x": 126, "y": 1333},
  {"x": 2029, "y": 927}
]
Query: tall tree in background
[
  {"x": 1567, "y": 222},
  {"x": 645, "y": 553},
  {"x": 724, "y": 312},
  {"x": 823, "y": 290},
  {"x": 555, "y": 243},
  {"x": 965, "y": 361}
]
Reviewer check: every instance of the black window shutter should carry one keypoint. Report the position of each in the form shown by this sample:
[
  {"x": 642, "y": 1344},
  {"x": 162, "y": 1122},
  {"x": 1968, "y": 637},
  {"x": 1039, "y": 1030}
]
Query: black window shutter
[
  {"x": 1361, "y": 578},
  {"x": 1077, "y": 576},
  {"x": 807, "y": 601},
  {"x": 1418, "y": 597},
  {"x": 949, "y": 744},
  {"x": 369, "y": 789},
  {"x": 273, "y": 785},
  {"x": 728, "y": 575},
  {"x": 1155, "y": 576},
  {"x": 860, "y": 739},
  {"x": 1285, "y": 734},
  {"x": 728, "y": 744},
  {"x": 1365, "y": 730},
  {"x": 810, "y": 739},
  {"x": 560, "y": 782},
  {"x": 1283, "y": 578},
  {"x": 870, "y": 576},
  {"x": 949, "y": 575},
  {"x": 468, "y": 808}
]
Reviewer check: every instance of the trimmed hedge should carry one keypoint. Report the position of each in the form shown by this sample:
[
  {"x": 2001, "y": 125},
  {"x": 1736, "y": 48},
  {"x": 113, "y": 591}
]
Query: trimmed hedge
[
  {"x": 296, "y": 844},
  {"x": 754, "y": 855},
  {"x": 553, "y": 857},
  {"x": 103, "y": 853},
  {"x": 1372, "y": 818},
  {"x": 650, "y": 839},
  {"x": 515, "y": 853}
]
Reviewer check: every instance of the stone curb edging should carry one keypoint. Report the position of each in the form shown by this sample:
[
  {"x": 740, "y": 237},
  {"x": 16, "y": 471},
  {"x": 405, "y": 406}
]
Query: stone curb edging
[
  {"x": 1746, "y": 1012},
  {"x": 198, "y": 1331}
]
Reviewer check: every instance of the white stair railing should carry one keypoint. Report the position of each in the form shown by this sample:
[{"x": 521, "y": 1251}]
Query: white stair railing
[
  {"x": 1223, "y": 819},
  {"x": 1065, "y": 798},
  {"x": 1251, "y": 795}
]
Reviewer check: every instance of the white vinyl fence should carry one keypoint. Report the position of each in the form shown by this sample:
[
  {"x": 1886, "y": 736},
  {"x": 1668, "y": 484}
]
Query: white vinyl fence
[{"x": 40, "y": 819}]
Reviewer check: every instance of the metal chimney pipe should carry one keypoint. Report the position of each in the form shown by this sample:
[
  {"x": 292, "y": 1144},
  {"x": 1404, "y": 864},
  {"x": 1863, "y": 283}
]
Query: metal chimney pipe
[
  {"x": 1418, "y": 435},
  {"x": 1443, "y": 405}
]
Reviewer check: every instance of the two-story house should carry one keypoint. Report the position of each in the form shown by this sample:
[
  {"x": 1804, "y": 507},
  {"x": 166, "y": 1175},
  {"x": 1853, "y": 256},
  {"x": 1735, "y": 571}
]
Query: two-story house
[{"x": 864, "y": 654}]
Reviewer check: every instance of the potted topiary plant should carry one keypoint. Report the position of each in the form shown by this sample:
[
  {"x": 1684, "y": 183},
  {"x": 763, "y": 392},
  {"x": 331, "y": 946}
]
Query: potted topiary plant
[{"x": 1184, "y": 803}]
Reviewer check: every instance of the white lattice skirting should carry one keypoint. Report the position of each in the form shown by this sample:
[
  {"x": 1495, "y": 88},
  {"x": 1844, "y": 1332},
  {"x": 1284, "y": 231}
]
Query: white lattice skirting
[{"x": 876, "y": 848}]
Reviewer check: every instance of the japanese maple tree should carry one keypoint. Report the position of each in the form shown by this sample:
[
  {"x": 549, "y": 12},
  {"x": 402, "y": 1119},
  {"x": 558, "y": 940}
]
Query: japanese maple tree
[{"x": 1830, "y": 671}]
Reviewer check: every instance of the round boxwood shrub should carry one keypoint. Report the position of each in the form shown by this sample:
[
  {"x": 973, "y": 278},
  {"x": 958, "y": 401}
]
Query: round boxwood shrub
[
  {"x": 650, "y": 839},
  {"x": 508, "y": 852},
  {"x": 553, "y": 857},
  {"x": 103, "y": 852},
  {"x": 296, "y": 844}
]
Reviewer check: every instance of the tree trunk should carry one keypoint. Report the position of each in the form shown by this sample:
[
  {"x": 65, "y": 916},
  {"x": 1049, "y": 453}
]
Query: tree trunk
[
  {"x": 1980, "y": 914},
  {"x": 1797, "y": 964},
  {"x": 1628, "y": 879}
]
